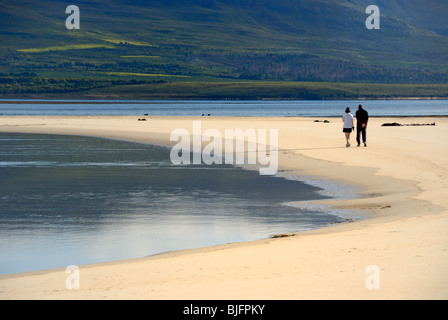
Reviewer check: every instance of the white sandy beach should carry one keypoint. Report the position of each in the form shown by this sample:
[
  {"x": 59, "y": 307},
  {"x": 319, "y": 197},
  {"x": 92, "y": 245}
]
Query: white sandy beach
[{"x": 403, "y": 180}]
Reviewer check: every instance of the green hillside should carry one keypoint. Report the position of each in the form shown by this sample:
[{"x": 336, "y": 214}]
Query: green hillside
[{"x": 123, "y": 46}]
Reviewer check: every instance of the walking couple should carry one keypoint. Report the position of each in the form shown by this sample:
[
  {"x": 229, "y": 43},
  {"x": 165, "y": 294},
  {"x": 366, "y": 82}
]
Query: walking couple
[{"x": 362, "y": 117}]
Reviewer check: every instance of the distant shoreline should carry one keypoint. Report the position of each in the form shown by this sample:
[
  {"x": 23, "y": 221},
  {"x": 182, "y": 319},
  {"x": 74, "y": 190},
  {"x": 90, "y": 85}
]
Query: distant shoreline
[
  {"x": 239, "y": 90},
  {"x": 143, "y": 101}
]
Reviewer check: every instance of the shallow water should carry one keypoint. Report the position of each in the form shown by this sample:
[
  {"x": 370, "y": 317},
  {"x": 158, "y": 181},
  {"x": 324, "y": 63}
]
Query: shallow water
[
  {"x": 68, "y": 200},
  {"x": 332, "y": 108}
]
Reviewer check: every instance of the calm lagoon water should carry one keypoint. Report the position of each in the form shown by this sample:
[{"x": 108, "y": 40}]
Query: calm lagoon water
[
  {"x": 75, "y": 200},
  {"x": 225, "y": 108}
]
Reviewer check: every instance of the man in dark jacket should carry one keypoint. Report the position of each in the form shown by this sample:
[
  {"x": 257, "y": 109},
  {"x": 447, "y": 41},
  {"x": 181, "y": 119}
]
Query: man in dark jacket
[{"x": 362, "y": 117}]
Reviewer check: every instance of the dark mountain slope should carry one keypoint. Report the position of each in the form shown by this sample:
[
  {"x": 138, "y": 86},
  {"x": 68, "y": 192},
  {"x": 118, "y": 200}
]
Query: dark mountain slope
[{"x": 206, "y": 40}]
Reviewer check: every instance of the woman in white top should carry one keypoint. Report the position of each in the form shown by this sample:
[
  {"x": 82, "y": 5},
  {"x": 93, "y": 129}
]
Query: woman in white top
[{"x": 349, "y": 124}]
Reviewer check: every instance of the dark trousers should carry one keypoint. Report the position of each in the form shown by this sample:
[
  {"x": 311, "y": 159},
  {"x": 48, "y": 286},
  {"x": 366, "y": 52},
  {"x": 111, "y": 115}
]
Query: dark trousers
[{"x": 361, "y": 131}]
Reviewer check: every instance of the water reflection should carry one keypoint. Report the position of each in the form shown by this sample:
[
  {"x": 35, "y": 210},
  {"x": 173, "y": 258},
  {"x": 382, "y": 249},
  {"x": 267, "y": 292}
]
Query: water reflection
[{"x": 76, "y": 200}]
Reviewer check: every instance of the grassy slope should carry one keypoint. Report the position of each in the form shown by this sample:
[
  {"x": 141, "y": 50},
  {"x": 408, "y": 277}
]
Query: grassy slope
[
  {"x": 252, "y": 90},
  {"x": 275, "y": 90}
]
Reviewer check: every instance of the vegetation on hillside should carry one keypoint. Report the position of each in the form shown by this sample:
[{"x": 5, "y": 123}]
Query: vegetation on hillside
[{"x": 278, "y": 49}]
